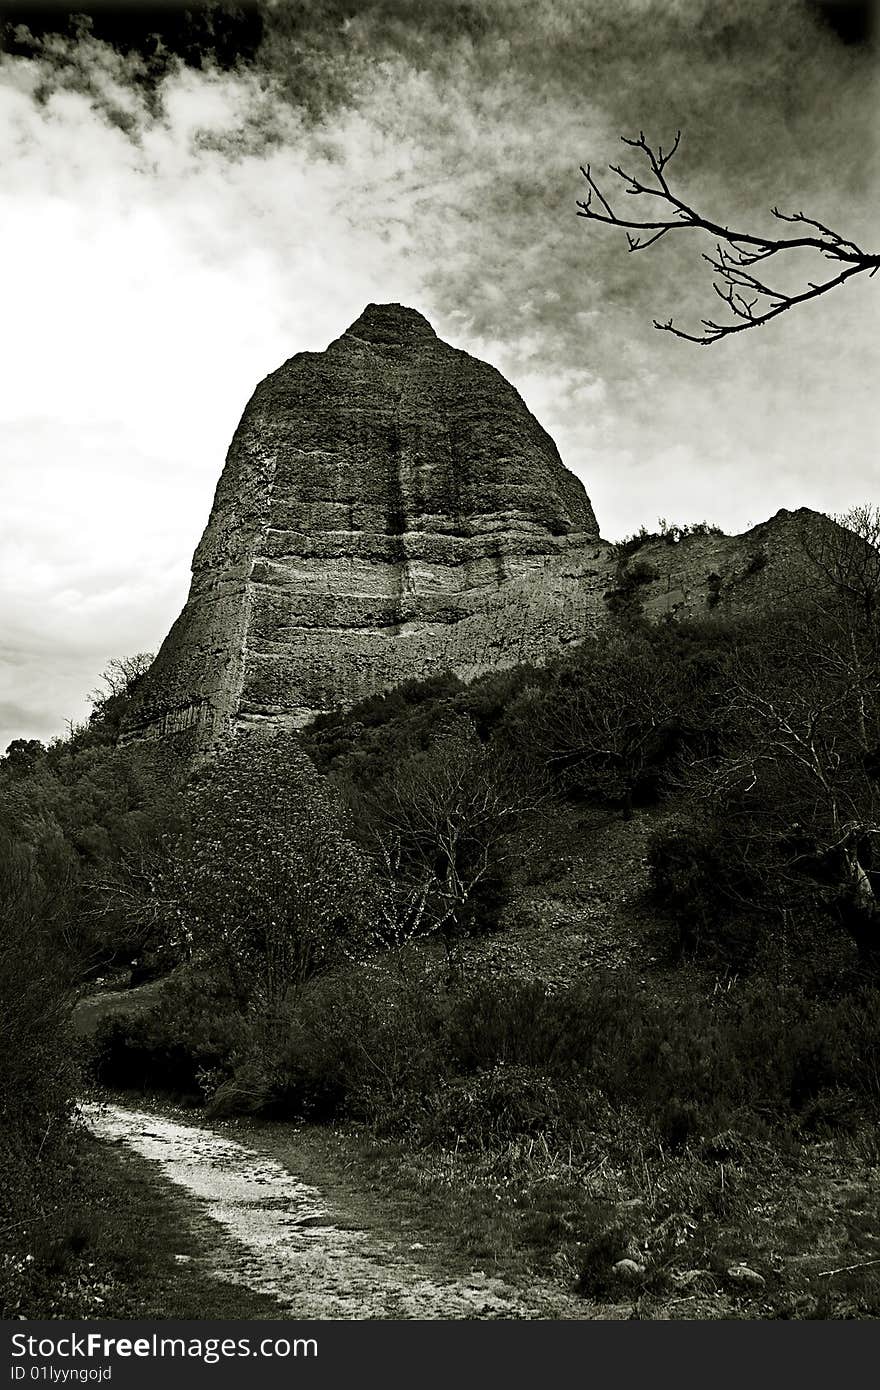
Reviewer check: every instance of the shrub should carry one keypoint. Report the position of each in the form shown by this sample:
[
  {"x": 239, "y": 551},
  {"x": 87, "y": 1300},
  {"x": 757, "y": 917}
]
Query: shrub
[
  {"x": 38, "y": 1077},
  {"x": 714, "y": 583},
  {"x": 758, "y": 560},
  {"x": 597, "y": 1277},
  {"x": 489, "y": 1063},
  {"x": 188, "y": 1042},
  {"x": 697, "y": 880},
  {"x": 274, "y": 891},
  {"x": 637, "y": 574},
  {"x": 441, "y": 825}
]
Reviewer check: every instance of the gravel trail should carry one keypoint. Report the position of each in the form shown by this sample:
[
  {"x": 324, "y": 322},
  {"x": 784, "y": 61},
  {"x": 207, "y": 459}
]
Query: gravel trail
[{"x": 276, "y": 1234}]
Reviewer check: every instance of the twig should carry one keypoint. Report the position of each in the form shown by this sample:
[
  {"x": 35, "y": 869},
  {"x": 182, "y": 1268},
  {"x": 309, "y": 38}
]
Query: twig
[
  {"x": 845, "y": 1269},
  {"x": 734, "y": 249}
]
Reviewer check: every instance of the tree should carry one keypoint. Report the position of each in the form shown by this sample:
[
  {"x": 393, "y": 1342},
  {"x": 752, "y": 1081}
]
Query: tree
[
  {"x": 37, "y": 1077},
  {"x": 750, "y": 299},
  {"x": 443, "y": 818},
  {"x": 136, "y": 900},
  {"x": 612, "y": 717},
  {"x": 22, "y": 756},
  {"x": 794, "y": 791},
  {"x": 272, "y": 889},
  {"x": 121, "y": 676},
  {"x": 846, "y": 553}
]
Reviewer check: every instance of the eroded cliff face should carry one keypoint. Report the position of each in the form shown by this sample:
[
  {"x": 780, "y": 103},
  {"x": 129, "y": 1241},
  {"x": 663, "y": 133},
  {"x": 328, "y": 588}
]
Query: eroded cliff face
[
  {"x": 389, "y": 509},
  {"x": 763, "y": 570}
]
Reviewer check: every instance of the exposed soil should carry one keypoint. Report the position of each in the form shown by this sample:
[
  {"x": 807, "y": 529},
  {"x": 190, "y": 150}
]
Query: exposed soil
[{"x": 591, "y": 912}]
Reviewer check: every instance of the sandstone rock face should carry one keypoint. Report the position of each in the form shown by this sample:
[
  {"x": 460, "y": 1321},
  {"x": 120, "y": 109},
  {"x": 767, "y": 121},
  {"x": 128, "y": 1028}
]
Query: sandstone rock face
[
  {"x": 699, "y": 576},
  {"x": 389, "y": 509}
]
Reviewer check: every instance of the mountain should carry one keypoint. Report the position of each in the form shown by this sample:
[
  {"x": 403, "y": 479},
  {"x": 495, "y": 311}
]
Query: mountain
[{"x": 389, "y": 508}]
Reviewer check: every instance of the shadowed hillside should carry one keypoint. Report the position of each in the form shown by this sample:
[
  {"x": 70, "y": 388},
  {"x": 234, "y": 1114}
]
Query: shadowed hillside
[{"x": 583, "y": 953}]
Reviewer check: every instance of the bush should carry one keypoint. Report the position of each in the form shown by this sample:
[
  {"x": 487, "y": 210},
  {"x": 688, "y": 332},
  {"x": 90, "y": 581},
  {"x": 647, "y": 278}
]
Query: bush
[
  {"x": 38, "y": 1077},
  {"x": 637, "y": 574},
  {"x": 491, "y": 1061},
  {"x": 597, "y": 1277},
  {"x": 758, "y": 560},
  {"x": 367, "y": 1044},
  {"x": 273, "y": 890},
  {"x": 698, "y": 882},
  {"x": 187, "y": 1043}
]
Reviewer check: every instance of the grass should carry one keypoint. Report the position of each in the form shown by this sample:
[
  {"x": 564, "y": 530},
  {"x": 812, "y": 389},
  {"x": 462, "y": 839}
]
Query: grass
[
  {"x": 552, "y": 1135},
  {"x": 689, "y": 1218},
  {"x": 114, "y": 1252},
  {"x": 803, "y": 1217},
  {"x": 657, "y": 1114}
]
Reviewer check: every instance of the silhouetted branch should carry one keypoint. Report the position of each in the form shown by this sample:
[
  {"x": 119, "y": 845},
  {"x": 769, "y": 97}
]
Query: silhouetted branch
[{"x": 735, "y": 250}]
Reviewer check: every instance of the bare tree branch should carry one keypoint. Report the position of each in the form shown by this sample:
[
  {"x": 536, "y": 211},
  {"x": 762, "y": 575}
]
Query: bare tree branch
[{"x": 735, "y": 250}]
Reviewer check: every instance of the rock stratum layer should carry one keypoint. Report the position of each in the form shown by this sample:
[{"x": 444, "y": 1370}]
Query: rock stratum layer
[{"x": 389, "y": 509}]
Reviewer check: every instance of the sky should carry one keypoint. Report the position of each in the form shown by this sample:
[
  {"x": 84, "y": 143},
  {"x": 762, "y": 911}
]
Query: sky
[{"x": 187, "y": 203}]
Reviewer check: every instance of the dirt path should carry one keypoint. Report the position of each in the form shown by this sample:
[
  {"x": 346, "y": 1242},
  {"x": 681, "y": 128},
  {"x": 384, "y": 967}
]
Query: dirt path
[{"x": 278, "y": 1236}]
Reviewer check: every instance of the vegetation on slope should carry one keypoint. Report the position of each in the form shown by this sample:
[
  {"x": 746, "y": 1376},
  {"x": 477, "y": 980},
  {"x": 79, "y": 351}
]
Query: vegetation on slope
[{"x": 320, "y": 927}]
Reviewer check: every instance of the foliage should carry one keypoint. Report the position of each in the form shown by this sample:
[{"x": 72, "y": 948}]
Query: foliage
[
  {"x": 667, "y": 531},
  {"x": 442, "y": 818},
  {"x": 699, "y": 880},
  {"x": 90, "y": 813},
  {"x": 486, "y": 1061},
  {"x": 38, "y": 1077},
  {"x": 791, "y": 786},
  {"x": 271, "y": 886},
  {"x": 611, "y": 717},
  {"x": 121, "y": 678},
  {"x": 606, "y": 721},
  {"x": 69, "y": 814},
  {"x": 366, "y": 743},
  {"x": 189, "y": 1041}
]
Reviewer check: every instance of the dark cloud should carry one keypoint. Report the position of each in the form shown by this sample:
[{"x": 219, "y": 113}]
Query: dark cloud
[
  {"x": 853, "y": 21},
  {"x": 195, "y": 33}
]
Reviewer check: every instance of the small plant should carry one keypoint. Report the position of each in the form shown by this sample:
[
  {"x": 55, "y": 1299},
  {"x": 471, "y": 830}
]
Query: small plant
[
  {"x": 193, "y": 1031},
  {"x": 598, "y": 1276},
  {"x": 631, "y": 544},
  {"x": 672, "y": 534},
  {"x": 758, "y": 560},
  {"x": 639, "y": 573}
]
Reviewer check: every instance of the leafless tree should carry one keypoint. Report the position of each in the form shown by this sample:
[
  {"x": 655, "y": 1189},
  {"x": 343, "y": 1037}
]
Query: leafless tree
[
  {"x": 847, "y": 555},
  {"x": 793, "y": 786},
  {"x": 749, "y": 297},
  {"x": 120, "y": 674},
  {"x": 442, "y": 819}
]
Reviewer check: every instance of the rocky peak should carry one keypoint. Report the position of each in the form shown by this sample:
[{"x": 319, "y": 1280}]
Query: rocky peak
[
  {"x": 389, "y": 509},
  {"x": 390, "y": 323}
]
